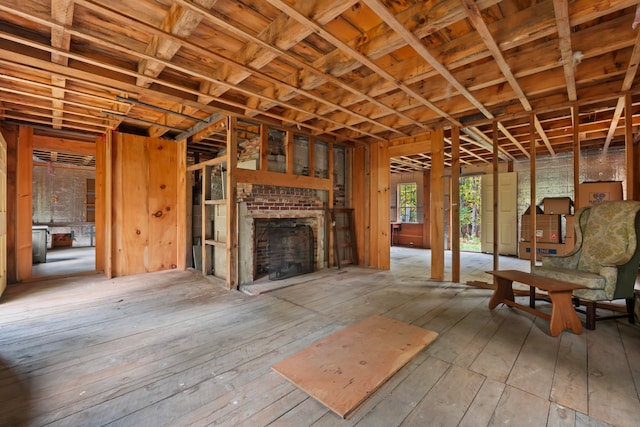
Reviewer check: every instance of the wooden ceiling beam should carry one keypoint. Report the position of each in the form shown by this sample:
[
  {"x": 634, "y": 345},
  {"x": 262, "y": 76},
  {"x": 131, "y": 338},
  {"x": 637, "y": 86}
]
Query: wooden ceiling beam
[
  {"x": 474, "y": 15},
  {"x": 61, "y": 12},
  {"x": 629, "y": 77},
  {"x": 181, "y": 22},
  {"x": 417, "y": 45},
  {"x": 258, "y": 101},
  {"x": 561, "y": 8},
  {"x": 30, "y": 121},
  {"x": 63, "y": 145},
  {"x": 363, "y": 59},
  {"x": 137, "y": 89}
]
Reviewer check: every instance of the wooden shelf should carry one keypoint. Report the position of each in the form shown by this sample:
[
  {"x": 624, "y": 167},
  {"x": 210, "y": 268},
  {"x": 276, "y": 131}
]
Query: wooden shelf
[
  {"x": 215, "y": 243},
  {"x": 215, "y": 202}
]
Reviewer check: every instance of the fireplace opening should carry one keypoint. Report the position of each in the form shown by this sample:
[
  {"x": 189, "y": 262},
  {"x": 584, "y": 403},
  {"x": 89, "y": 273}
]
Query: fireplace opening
[
  {"x": 290, "y": 251},
  {"x": 284, "y": 248}
]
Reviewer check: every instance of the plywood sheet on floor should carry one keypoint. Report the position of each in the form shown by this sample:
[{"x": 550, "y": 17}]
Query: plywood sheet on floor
[{"x": 341, "y": 370}]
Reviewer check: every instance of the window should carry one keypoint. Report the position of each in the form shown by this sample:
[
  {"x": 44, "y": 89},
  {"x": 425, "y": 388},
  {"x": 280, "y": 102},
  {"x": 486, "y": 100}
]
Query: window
[
  {"x": 90, "y": 200},
  {"x": 408, "y": 202}
]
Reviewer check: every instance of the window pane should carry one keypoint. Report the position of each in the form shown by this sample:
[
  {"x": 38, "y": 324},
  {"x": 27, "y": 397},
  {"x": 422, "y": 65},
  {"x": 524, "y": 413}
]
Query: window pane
[
  {"x": 321, "y": 159},
  {"x": 276, "y": 156},
  {"x": 300, "y": 155},
  {"x": 408, "y": 202}
]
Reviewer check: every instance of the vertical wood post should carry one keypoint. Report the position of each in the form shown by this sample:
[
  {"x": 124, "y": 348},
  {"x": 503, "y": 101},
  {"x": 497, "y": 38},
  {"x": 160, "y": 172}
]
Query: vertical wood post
[
  {"x": 327, "y": 217},
  {"x": 455, "y": 204},
  {"x": 183, "y": 205},
  {"x": 629, "y": 149},
  {"x": 437, "y": 204},
  {"x": 496, "y": 191},
  {"x": 532, "y": 172},
  {"x": 575, "y": 112},
  {"x": 104, "y": 197},
  {"x": 24, "y": 210},
  {"x": 361, "y": 184},
  {"x": 205, "y": 224},
  {"x": 232, "y": 206},
  {"x": 383, "y": 215}
]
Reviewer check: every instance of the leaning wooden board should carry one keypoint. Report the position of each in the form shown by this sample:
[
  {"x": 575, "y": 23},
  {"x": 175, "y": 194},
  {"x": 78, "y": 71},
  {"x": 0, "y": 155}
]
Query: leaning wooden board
[{"x": 343, "y": 369}]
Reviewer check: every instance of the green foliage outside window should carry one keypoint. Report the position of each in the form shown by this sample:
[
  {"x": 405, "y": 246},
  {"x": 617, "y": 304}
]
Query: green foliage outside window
[
  {"x": 470, "y": 203},
  {"x": 408, "y": 202}
]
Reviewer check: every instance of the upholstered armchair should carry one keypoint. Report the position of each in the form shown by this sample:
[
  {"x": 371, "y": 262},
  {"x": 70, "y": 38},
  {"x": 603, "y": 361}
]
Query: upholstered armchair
[{"x": 605, "y": 258}]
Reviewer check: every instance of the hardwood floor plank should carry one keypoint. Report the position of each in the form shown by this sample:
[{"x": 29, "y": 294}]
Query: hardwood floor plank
[
  {"x": 483, "y": 405},
  {"x": 517, "y": 407},
  {"x": 447, "y": 402},
  {"x": 308, "y": 412},
  {"x": 583, "y": 420},
  {"x": 610, "y": 375},
  {"x": 213, "y": 378},
  {"x": 570, "y": 386},
  {"x": 630, "y": 335},
  {"x": 498, "y": 356},
  {"x": 398, "y": 400},
  {"x": 454, "y": 342},
  {"x": 534, "y": 368},
  {"x": 560, "y": 416},
  {"x": 173, "y": 348}
]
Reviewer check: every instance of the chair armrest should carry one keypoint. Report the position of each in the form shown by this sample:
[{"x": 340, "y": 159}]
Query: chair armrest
[{"x": 610, "y": 274}]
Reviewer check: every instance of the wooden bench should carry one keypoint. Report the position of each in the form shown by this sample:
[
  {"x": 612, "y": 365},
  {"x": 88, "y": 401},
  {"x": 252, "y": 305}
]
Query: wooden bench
[{"x": 563, "y": 315}]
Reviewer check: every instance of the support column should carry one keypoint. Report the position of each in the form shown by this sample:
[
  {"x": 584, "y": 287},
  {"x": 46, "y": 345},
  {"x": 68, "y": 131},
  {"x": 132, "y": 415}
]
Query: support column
[
  {"x": 437, "y": 204},
  {"x": 455, "y": 204},
  {"x": 532, "y": 202},
  {"x": 24, "y": 254},
  {"x": 629, "y": 151}
]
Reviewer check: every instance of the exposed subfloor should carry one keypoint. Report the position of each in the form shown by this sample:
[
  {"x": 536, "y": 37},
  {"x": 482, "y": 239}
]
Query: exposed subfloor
[{"x": 173, "y": 348}]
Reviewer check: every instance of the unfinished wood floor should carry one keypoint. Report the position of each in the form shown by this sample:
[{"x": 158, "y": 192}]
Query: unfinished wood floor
[{"x": 175, "y": 349}]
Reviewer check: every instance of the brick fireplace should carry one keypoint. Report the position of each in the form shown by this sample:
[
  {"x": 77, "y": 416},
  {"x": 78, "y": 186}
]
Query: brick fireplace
[{"x": 266, "y": 209}]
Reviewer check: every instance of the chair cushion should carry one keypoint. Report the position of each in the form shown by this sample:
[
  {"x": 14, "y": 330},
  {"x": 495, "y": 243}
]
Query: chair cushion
[
  {"x": 584, "y": 278},
  {"x": 594, "y": 282}
]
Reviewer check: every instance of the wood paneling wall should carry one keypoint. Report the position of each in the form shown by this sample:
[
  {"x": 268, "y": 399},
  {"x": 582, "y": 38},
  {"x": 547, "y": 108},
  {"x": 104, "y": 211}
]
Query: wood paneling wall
[{"x": 145, "y": 204}]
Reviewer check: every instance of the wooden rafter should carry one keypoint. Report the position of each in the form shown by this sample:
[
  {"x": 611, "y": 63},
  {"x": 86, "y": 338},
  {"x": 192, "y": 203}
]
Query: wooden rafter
[
  {"x": 363, "y": 59},
  {"x": 354, "y": 72},
  {"x": 629, "y": 76},
  {"x": 561, "y": 8},
  {"x": 474, "y": 15},
  {"x": 61, "y": 12}
]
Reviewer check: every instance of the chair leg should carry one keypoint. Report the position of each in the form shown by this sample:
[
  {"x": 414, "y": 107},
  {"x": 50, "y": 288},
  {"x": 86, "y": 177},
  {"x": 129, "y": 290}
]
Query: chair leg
[
  {"x": 591, "y": 315},
  {"x": 631, "y": 302}
]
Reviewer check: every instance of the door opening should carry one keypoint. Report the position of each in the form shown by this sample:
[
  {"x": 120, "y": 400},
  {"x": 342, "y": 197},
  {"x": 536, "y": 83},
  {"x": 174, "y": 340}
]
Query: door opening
[
  {"x": 470, "y": 213},
  {"x": 63, "y": 232}
]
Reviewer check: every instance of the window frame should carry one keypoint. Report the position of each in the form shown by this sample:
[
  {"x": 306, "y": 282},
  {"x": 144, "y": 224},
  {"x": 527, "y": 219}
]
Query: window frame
[{"x": 412, "y": 218}]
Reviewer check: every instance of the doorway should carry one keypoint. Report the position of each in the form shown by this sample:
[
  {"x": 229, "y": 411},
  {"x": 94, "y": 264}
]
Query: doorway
[
  {"x": 470, "y": 213},
  {"x": 63, "y": 214}
]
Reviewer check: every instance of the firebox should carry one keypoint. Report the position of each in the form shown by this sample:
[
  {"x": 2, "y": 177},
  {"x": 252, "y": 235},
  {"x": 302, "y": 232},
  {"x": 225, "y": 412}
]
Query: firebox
[
  {"x": 290, "y": 251},
  {"x": 283, "y": 248}
]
